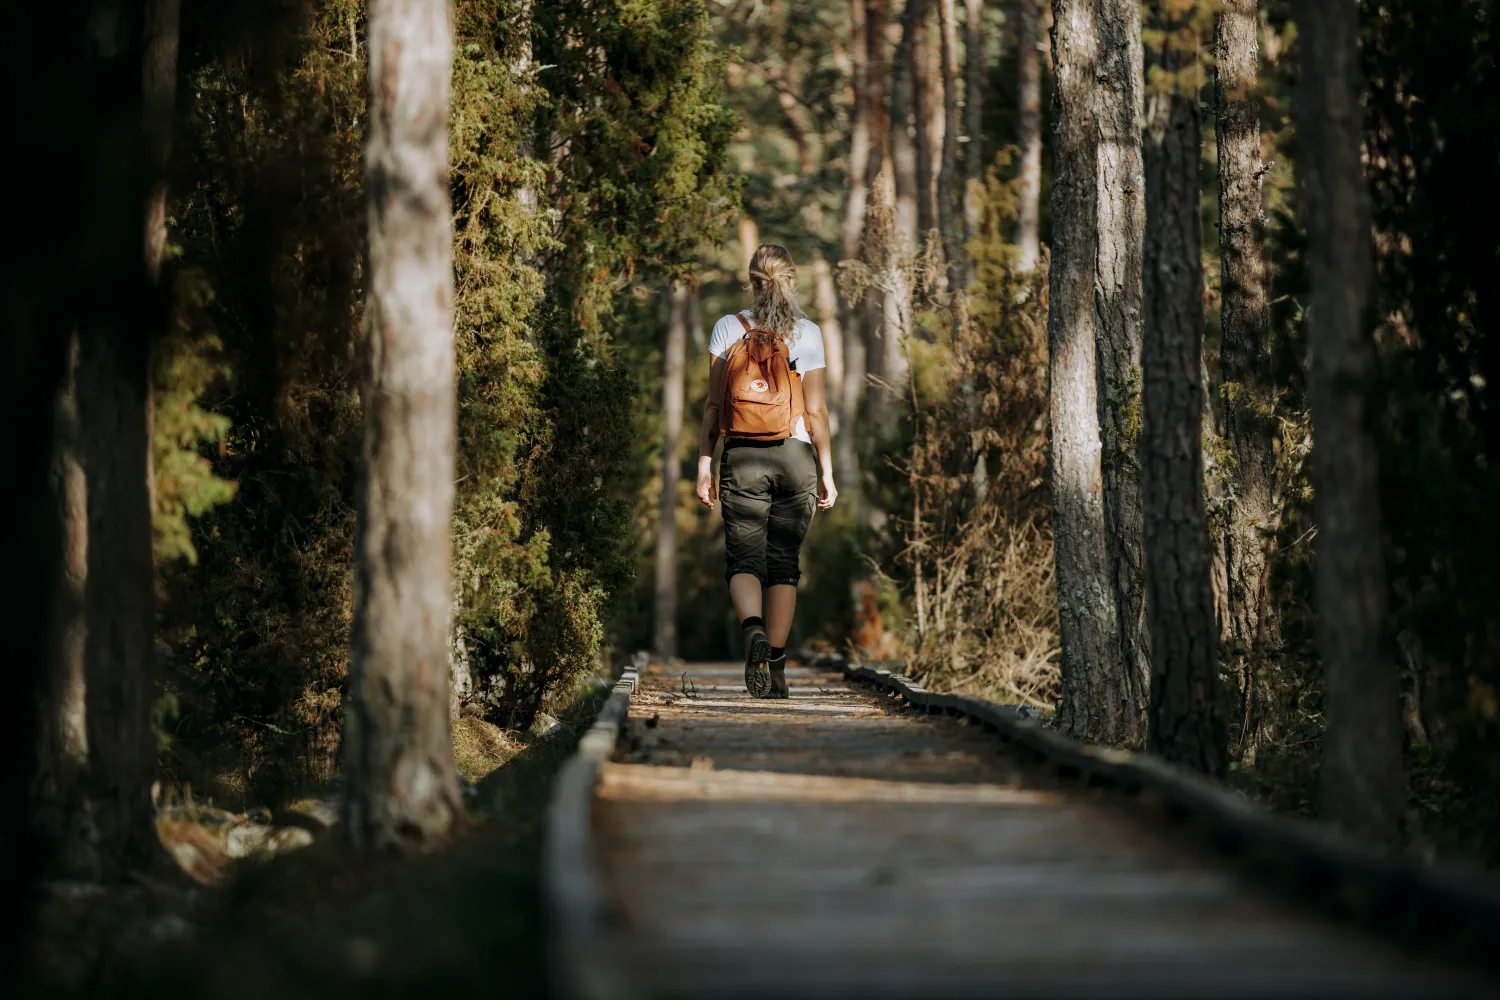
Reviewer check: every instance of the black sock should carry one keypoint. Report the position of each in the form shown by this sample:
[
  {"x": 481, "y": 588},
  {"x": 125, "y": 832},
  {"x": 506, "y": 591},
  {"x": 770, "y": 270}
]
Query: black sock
[
  {"x": 753, "y": 621},
  {"x": 777, "y": 652}
]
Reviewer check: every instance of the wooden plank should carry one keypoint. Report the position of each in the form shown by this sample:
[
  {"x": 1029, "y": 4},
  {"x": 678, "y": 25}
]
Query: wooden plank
[{"x": 1454, "y": 909}]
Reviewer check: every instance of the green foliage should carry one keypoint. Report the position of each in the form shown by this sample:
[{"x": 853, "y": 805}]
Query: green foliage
[
  {"x": 550, "y": 418},
  {"x": 186, "y": 363},
  {"x": 268, "y": 212},
  {"x": 586, "y": 155}
]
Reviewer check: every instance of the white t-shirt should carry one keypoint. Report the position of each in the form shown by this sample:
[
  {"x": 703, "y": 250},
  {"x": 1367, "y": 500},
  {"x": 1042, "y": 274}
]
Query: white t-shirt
[{"x": 805, "y": 347}]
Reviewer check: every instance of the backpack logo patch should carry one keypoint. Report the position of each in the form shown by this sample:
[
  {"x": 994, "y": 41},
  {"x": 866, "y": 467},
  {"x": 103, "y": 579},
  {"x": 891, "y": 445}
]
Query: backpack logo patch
[{"x": 760, "y": 385}]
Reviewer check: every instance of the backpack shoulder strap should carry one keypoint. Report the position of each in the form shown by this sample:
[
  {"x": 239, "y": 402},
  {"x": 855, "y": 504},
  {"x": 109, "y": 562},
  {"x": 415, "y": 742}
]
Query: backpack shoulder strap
[{"x": 744, "y": 322}]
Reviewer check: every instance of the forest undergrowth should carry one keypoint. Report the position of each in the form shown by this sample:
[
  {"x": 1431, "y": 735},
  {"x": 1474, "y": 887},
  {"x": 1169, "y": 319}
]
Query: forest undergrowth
[{"x": 314, "y": 922}]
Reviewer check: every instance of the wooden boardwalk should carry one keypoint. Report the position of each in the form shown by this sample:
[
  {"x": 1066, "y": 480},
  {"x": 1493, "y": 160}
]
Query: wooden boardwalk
[{"x": 842, "y": 844}]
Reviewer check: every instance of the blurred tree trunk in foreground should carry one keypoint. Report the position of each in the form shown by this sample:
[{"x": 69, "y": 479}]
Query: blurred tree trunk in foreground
[
  {"x": 1362, "y": 784},
  {"x": 114, "y": 420},
  {"x": 1185, "y": 722},
  {"x": 43, "y": 52},
  {"x": 96, "y": 753},
  {"x": 402, "y": 787},
  {"x": 58, "y": 793}
]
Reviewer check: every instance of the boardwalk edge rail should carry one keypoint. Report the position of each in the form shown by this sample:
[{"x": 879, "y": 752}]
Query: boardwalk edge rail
[
  {"x": 582, "y": 960},
  {"x": 1453, "y": 910}
]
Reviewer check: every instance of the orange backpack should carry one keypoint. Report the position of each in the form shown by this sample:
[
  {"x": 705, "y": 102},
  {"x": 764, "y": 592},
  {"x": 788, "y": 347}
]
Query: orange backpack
[{"x": 760, "y": 398}]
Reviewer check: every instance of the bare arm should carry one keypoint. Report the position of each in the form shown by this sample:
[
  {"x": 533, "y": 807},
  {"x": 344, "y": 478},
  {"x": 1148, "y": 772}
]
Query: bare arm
[
  {"x": 814, "y": 396},
  {"x": 708, "y": 436}
]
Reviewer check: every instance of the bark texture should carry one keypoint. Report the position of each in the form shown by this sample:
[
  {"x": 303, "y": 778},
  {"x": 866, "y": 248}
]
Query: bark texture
[
  {"x": 950, "y": 184},
  {"x": 1362, "y": 783},
  {"x": 1185, "y": 722},
  {"x": 114, "y": 416},
  {"x": 903, "y": 118},
  {"x": 114, "y": 443},
  {"x": 58, "y": 792},
  {"x": 890, "y": 152},
  {"x": 974, "y": 76},
  {"x": 926, "y": 114},
  {"x": 858, "y": 182},
  {"x": 897, "y": 187},
  {"x": 1121, "y": 201},
  {"x": 826, "y": 304},
  {"x": 1088, "y": 620},
  {"x": 1029, "y": 63},
  {"x": 401, "y": 784},
  {"x": 869, "y": 139},
  {"x": 159, "y": 85},
  {"x": 674, "y": 355},
  {"x": 749, "y": 241},
  {"x": 1245, "y": 355}
]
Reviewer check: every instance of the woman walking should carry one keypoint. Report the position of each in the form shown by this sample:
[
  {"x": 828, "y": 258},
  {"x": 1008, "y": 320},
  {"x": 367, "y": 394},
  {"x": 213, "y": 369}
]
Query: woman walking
[{"x": 766, "y": 399}]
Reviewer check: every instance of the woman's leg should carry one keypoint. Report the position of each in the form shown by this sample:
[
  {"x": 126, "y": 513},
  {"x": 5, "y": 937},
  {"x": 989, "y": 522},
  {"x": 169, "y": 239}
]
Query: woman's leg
[
  {"x": 792, "y": 507},
  {"x": 745, "y": 594},
  {"x": 781, "y": 607},
  {"x": 745, "y": 498}
]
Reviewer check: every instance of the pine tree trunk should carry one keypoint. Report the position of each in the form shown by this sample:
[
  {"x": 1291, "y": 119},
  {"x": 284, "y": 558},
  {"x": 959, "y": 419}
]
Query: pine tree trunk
[
  {"x": 886, "y": 101},
  {"x": 974, "y": 80},
  {"x": 1029, "y": 61},
  {"x": 826, "y": 304},
  {"x": 1088, "y": 620},
  {"x": 160, "y": 86},
  {"x": 114, "y": 445},
  {"x": 664, "y": 637},
  {"x": 1186, "y": 724},
  {"x": 62, "y": 723},
  {"x": 1245, "y": 359},
  {"x": 899, "y": 187},
  {"x": 398, "y": 758},
  {"x": 869, "y": 137},
  {"x": 857, "y": 182},
  {"x": 905, "y": 115},
  {"x": 749, "y": 241},
  {"x": 924, "y": 107},
  {"x": 1362, "y": 770},
  {"x": 1121, "y": 206},
  {"x": 950, "y": 221},
  {"x": 114, "y": 402}
]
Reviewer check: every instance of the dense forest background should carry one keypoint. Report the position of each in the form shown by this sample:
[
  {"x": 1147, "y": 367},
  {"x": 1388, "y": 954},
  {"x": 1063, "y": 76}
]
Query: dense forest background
[
  {"x": 559, "y": 252},
  {"x": 612, "y": 167}
]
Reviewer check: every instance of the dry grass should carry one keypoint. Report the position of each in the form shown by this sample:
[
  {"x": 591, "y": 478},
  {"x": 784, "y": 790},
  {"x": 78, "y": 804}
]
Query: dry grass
[
  {"x": 479, "y": 747},
  {"x": 976, "y": 552},
  {"x": 992, "y": 623}
]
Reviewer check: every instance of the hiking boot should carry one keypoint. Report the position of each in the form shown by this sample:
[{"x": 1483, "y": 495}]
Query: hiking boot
[
  {"x": 778, "y": 678},
  {"x": 757, "y": 656}
]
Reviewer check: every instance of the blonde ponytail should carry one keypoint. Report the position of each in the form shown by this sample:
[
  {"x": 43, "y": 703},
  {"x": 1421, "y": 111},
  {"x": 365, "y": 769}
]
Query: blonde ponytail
[{"x": 773, "y": 290}]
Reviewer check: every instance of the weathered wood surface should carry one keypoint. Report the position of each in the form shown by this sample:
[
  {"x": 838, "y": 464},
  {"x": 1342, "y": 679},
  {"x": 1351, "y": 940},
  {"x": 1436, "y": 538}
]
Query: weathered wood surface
[{"x": 842, "y": 843}]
